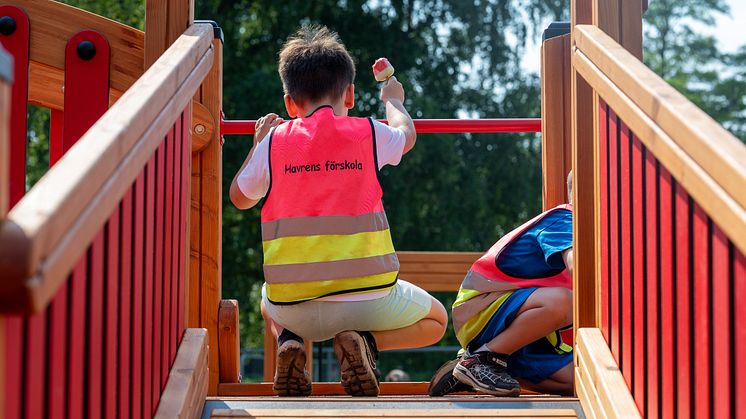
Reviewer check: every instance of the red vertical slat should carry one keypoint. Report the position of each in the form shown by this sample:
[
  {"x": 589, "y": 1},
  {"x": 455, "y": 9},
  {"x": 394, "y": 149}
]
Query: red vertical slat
[
  {"x": 13, "y": 373},
  {"x": 95, "y": 325},
  {"x": 176, "y": 249},
  {"x": 76, "y": 349},
  {"x": 638, "y": 278},
  {"x": 57, "y": 350},
  {"x": 626, "y": 260},
  {"x": 34, "y": 365},
  {"x": 653, "y": 285},
  {"x": 158, "y": 294},
  {"x": 667, "y": 286},
  {"x": 186, "y": 158},
  {"x": 138, "y": 229},
  {"x": 148, "y": 288},
  {"x": 739, "y": 313},
  {"x": 125, "y": 308},
  {"x": 17, "y": 44},
  {"x": 721, "y": 323},
  {"x": 56, "y": 118},
  {"x": 112, "y": 310},
  {"x": 614, "y": 222},
  {"x": 702, "y": 314},
  {"x": 168, "y": 328},
  {"x": 683, "y": 307},
  {"x": 604, "y": 214}
]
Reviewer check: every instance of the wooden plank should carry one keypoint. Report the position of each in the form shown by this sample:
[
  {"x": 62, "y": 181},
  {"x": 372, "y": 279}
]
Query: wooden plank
[
  {"x": 606, "y": 15},
  {"x": 614, "y": 237},
  {"x": 34, "y": 364},
  {"x": 193, "y": 288},
  {"x": 76, "y": 352},
  {"x": 11, "y": 379},
  {"x": 392, "y": 413},
  {"x": 666, "y": 239},
  {"x": 158, "y": 295},
  {"x": 137, "y": 333},
  {"x": 169, "y": 319},
  {"x": 702, "y": 313},
  {"x": 184, "y": 223},
  {"x": 638, "y": 325},
  {"x": 112, "y": 309},
  {"x": 716, "y": 201},
  {"x": 717, "y": 151},
  {"x": 148, "y": 289},
  {"x": 651, "y": 223},
  {"x": 156, "y": 30},
  {"x": 603, "y": 271},
  {"x": 184, "y": 385},
  {"x": 722, "y": 355},
  {"x": 270, "y": 352},
  {"x": 604, "y": 375},
  {"x": 229, "y": 342},
  {"x": 95, "y": 326},
  {"x": 57, "y": 354},
  {"x": 126, "y": 314},
  {"x": 625, "y": 262},
  {"x": 683, "y": 302},
  {"x": 113, "y": 153},
  {"x": 738, "y": 281}
]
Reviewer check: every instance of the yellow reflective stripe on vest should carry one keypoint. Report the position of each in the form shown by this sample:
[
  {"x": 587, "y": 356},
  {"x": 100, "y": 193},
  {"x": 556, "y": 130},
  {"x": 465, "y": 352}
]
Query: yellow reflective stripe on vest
[
  {"x": 297, "y": 292},
  {"x": 327, "y": 248},
  {"x": 474, "y": 325}
]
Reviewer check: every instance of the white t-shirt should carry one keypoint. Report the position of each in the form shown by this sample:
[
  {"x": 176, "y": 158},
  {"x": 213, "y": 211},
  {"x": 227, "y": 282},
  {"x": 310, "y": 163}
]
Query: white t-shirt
[{"x": 253, "y": 181}]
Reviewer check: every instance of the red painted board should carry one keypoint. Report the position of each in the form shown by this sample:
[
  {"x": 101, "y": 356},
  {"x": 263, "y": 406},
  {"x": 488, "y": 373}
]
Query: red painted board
[
  {"x": 667, "y": 287},
  {"x": 138, "y": 228},
  {"x": 111, "y": 305},
  {"x": 86, "y": 84},
  {"x": 186, "y": 160},
  {"x": 158, "y": 294},
  {"x": 614, "y": 237},
  {"x": 721, "y": 324},
  {"x": 148, "y": 285},
  {"x": 739, "y": 308},
  {"x": 702, "y": 314},
  {"x": 626, "y": 262},
  {"x": 175, "y": 249},
  {"x": 683, "y": 305},
  {"x": 95, "y": 325},
  {"x": 168, "y": 216},
  {"x": 639, "y": 330},
  {"x": 603, "y": 137},
  {"x": 57, "y": 353},
  {"x": 652, "y": 287},
  {"x": 13, "y": 372},
  {"x": 35, "y": 364},
  {"x": 56, "y": 118},
  {"x": 76, "y": 352},
  {"x": 17, "y": 44},
  {"x": 125, "y": 306}
]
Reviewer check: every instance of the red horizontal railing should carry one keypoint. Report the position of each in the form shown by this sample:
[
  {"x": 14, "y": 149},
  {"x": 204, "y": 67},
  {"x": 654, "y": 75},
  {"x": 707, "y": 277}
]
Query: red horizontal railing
[{"x": 423, "y": 126}]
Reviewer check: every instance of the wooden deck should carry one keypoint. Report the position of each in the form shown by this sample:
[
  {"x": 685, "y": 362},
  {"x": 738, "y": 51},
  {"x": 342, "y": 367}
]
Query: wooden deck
[{"x": 392, "y": 406}]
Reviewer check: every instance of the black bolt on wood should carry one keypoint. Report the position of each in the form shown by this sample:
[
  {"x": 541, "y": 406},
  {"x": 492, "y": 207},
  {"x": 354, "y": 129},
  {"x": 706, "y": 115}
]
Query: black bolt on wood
[
  {"x": 86, "y": 50},
  {"x": 7, "y": 25}
]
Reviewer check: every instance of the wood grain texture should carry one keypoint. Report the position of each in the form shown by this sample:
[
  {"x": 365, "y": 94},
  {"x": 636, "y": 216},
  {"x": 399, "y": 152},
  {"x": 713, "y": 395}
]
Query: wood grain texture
[
  {"x": 229, "y": 342},
  {"x": 392, "y": 413},
  {"x": 185, "y": 392}
]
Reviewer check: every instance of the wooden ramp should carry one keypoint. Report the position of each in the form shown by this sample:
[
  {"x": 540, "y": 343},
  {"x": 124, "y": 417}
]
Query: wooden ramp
[{"x": 393, "y": 407}]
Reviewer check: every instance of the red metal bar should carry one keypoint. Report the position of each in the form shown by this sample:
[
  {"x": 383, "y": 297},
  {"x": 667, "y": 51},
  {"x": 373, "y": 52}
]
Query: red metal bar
[{"x": 423, "y": 126}]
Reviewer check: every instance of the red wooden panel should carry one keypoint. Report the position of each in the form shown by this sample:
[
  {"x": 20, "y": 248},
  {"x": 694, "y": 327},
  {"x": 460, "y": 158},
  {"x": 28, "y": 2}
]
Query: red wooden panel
[
  {"x": 667, "y": 286},
  {"x": 136, "y": 391},
  {"x": 614, "y": 237},
  {"x": 186, "y": 159},
  {"x": 56, "y": 118},
  {"x": 35, "y": 368},
  {"x": 721, "y": 323},
  {"x": 76, "y": 349},
  {"x": 683, "y": 305},
  {"x": 175, "y": 249},
  {"x": 702, "y": 314},
  {"x": 112, "y": 307},
  {"x": 652, "y": 287},
  {"x": 17, "y": 44},
  {"x": 86, "y": 84},
  {"x": 625, "y": 153},
  {"x": 739, "y": 309},
  {"x": 603, "y": 136},
  {"x": 13, "y": 361},
  {"x": 148, "y": 288},
  {"x": 95, "y": 325},
  {"x": 125, "y": 307},
  {"x": 639, "y": 329},
  {"x": 158, "y": 294},
  {"x": 57, "y": 350},
  {"x": 168, "y": 318}
]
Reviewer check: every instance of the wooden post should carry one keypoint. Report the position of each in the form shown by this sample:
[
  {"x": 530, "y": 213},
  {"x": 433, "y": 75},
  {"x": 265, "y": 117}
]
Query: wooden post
[
  {"x": 556, "y": 147},
  {"x": 205, "y": 263},
  {"x": 230, "y": 342}
]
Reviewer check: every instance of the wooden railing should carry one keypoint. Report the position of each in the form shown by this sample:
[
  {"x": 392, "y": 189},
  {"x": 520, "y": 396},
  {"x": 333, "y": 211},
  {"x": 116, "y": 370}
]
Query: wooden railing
[
  {"x": 670, "y": 234},
  {"x": 94, "y": 257}
]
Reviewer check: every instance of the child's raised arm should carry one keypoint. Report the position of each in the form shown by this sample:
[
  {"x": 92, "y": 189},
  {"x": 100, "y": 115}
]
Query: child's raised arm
[{"x": 392, "y": 94}]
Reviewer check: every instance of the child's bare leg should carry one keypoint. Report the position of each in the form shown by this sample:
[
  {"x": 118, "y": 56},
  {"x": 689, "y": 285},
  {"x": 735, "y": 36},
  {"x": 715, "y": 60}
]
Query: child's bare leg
[
  {"x": 427, "y": 331},
  {"x": 275, "y": 328},
  {"x": 545, "y": 310},
  {"x": 561, "y": 382}
]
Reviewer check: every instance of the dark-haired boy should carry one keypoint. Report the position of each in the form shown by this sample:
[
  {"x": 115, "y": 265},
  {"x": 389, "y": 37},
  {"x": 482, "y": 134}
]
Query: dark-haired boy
[{"x": 329, "y": 263}]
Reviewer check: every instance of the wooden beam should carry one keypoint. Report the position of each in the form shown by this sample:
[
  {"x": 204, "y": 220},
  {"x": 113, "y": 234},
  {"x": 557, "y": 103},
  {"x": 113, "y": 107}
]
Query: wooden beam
[
  {"x": 185, "y": 391},
  {"x": 393, "y": 413},
  {"x": 229, "y": 342},
  {"x": 602, "y": 389},
  {"x": 52, "y": 225},
  {"x": 406, "y": 388}
]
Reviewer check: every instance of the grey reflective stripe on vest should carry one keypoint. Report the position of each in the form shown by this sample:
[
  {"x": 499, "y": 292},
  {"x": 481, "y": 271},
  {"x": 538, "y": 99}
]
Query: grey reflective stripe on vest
[
  {"x": 324, "y": 225},
  {"x": 323, "y": 271},
  {"x": 478, "y": 282}
]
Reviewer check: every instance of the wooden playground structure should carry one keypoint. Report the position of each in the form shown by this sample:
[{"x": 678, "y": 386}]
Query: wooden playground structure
[{"x": 110, "y": 266}]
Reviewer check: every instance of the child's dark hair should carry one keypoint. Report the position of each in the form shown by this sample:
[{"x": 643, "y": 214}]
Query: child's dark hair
[{"x": 314, "y": 65}]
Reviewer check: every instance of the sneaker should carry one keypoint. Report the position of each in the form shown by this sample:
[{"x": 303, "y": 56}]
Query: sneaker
[
  {"x": 487, "y": 373},
  {"x": 357, "y": 363},
  {"x": 291, "y": 377},
  {"x": 443, "y": 382}
]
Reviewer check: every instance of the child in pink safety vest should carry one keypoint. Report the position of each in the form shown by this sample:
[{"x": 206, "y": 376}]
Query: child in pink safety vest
[
  {"x": 509, "y": 312},
  {"x": 330, "y": 268}
]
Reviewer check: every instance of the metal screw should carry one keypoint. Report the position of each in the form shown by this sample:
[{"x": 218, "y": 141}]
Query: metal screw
[
  {"x": 86, "y": 50},
  {"x": 199, "y": 129},
  {"x": 7, "y": 25}
]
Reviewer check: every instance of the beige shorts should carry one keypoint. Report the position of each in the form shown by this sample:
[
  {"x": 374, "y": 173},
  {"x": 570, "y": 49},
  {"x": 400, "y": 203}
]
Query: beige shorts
[{"x": 317, "y": 321}]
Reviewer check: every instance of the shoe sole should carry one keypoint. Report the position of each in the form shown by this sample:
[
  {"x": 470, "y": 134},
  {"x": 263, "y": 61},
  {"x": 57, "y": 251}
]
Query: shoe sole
[
  {"x": 463, "y": 375},
  {"x": 291, "y": 379},
  {"x": 357, "y": 375},
  {"x": 439, "y": 385}
]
